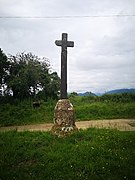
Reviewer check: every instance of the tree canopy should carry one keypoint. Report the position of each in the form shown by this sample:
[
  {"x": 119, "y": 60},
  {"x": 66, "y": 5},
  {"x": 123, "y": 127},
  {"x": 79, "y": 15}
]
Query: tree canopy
[
  {"x": 4, "y": 65},
  {"x": 27, "y": 75}
]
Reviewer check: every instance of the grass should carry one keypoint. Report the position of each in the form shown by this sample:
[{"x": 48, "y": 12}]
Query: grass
[
  {"x": 104, "y": 107},
  {"x": 21, "y": 113},
  {"x": 91, "y": 154},
  {"x": 102, "y": 110},
  {"x": 86, "y": 108}
]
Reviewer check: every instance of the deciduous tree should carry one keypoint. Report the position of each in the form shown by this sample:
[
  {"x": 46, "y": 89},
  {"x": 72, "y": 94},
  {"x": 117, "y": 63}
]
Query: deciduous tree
[
  {"x": 4, "y": 66},
  {"x": 29, "y": 74}
]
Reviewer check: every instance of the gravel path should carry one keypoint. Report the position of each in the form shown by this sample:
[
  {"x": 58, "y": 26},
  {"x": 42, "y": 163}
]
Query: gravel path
[{"x": 120, "y": 124}]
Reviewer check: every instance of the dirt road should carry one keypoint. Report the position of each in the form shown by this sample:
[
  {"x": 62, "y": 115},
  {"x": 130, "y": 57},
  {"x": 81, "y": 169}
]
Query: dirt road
[{"x": 120, "y": 124}]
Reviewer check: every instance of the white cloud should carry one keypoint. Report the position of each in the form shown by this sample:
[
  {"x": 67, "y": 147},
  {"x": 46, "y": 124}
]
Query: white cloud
[{"x": 104, "y": 54}]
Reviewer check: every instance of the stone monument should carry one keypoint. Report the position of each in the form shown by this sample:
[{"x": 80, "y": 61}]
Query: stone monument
[{"x": 64, "y": 119}]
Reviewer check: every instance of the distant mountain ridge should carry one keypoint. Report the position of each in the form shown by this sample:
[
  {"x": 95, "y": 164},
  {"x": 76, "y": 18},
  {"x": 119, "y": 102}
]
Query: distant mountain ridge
[
  {"x": 116, "y": 91},
  {"x": 86, "y": 94}
]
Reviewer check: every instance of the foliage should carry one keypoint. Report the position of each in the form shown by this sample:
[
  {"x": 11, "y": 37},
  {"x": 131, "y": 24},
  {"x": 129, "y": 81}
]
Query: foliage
[
  {"x": 16, "y": 112},
  {"x": 27, "y": 75},
  {"x": 51, "y": 88},
  {"x": 73, "y": 94},
  {"x": 91, "y": 154},
  {"x": 122, "y": 97},
  {"x": 105, "y": 107},
  {"x": 4, "y": 66},
  {"x": 100, "y": 110}
]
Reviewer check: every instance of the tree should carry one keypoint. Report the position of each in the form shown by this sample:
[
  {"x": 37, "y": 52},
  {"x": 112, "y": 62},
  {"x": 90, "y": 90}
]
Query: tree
[
  {"x": 4, "y": 66},
  {"x": 73, "y": 94},
  {"x": 29, "y": 74},
  {"x": 52, "y": 87}
]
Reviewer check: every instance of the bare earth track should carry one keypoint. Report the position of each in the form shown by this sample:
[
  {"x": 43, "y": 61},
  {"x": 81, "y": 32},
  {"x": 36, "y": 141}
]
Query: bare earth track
[{"x": 120, "y": 124}]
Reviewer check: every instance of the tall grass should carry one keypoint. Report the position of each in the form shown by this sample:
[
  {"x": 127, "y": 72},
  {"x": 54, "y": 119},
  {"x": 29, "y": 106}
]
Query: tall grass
[
  {"x": 105, "y": 107},
  {"x": 20, "y": 113},
  {"x": 102, "y": 110},
  {"x": 86, "y": 108},
  {"x": 91, "y": 154}
]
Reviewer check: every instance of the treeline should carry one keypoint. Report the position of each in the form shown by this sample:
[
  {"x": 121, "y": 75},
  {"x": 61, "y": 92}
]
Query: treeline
[
  {"x": 117, "y": 98},
  {"x": 27, "y": 76},
  {"x": 123, "y": 97}
]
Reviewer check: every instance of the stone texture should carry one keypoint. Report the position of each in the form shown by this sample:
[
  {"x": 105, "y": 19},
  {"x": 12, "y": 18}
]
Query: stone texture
[{"x": 64, "y": 118}]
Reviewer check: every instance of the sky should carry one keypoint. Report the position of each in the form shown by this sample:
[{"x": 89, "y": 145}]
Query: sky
[{"x": 103, "y": 57}]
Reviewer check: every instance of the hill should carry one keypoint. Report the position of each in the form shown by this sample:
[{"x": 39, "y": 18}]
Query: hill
[
  {"x": 115, "y": 91},
  {"x": 86, "y": 94},
  {"x": 119, "y": 91}
]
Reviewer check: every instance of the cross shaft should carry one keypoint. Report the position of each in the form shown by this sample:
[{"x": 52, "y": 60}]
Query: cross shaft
[{"x": 64, "y": 43}]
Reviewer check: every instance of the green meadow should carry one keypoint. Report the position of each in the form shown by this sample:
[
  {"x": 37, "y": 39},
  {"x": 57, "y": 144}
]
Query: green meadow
[{"x": 96, "y": 154}]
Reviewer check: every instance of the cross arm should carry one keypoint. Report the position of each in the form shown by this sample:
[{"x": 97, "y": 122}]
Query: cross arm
[
  {"x": 70, "y": 44},
  {"x": 58, "y": 42}
]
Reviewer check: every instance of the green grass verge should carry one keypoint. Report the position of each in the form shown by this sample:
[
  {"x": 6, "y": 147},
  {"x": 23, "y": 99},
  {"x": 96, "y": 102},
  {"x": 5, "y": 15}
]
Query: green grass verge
[
  {"x": 20, "y": 113},
  {"x": 23, "y": 113},
  {"x": 102, "y": 110},
  {"x": 91, "y": 154}
]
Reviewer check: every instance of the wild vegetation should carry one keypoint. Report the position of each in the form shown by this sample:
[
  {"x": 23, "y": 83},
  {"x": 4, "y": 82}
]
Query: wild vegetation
[
  {"x": 91, "y": 154},
  {"x": 17, "y": 112},
  {"x": 111, "y": 106}
]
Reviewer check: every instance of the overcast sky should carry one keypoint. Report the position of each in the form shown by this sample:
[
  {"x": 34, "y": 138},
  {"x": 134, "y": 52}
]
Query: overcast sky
[{"x": 104, "y": 54}]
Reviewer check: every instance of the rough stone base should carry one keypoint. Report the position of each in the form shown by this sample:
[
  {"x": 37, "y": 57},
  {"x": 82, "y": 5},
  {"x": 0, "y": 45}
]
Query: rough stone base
[{"x": 64, "y": 118}]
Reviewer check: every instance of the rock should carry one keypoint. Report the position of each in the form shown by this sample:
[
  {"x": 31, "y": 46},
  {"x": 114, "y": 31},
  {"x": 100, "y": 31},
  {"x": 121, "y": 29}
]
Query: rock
[{"x": 64, "y": 118}]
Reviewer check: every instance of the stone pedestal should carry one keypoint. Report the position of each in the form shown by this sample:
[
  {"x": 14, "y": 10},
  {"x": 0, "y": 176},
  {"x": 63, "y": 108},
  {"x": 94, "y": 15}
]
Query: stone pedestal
[{"x": 64, "y": 118}]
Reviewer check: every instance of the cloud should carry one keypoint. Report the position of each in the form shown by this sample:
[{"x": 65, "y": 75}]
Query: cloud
[{"x": 103, "y": 56}]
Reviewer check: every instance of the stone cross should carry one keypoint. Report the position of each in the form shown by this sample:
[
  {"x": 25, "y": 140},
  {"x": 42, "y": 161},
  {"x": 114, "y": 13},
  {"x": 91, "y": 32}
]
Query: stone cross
[
  {"x": 64, "y": 118},
  {"x": 64, "y": 43}
]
